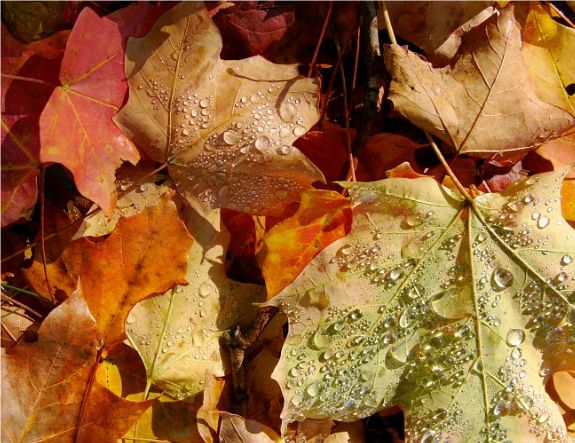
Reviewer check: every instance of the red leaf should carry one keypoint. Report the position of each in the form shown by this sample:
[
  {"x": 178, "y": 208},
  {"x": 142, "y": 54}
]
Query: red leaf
[
  {"x": 22, "y": 102},
  {"x": 76, "y": 127}
]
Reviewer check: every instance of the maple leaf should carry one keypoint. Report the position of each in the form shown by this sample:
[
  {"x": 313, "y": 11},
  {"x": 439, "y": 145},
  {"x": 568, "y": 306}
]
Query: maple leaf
[
  {"x": 76, "y": 127},
  {"x": 178, "y": 333},
  {"x": 547, "y": 48},
  {"x": 44, "y": 384},
  {"x": 322, "y": 218},
  {"x": 485, "y": 104},
  {"x": 437, "y": 27},
  {"x": 22, "y": 103},
  {"x": 127, "y": 267},
  {"x": 454, "y": 310},
  {"x": 224, "y": 127},
  {"x": 236, "y": 428}
]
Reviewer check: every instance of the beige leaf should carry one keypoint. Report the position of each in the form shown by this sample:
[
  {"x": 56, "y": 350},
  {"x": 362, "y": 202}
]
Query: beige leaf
[
  {"x": 225, "y": 127},
  {"x": 437, "y": 27},
  {"x": 485, "y": 104}
]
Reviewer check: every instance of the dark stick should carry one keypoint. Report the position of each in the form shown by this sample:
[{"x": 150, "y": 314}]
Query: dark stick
[
  {"x": 371, "y": 57},
  {"x": 238, "y": 343}
]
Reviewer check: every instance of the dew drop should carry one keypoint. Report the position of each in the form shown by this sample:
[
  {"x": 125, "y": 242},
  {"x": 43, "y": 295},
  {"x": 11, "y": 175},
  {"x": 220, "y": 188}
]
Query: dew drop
[
  {"x": 186, "y": 131},
  {"x": 345, "y": 250},
  {"x": 262, "y": 143},
  {"x": 515, "y": 337},
  {"x": 311, "y": 390},
  {"x": 284, "y": 150},
  {"x": 528, "y": 198},
  {"x": 205, "y": 289},
  {"x": 566, "y": 260},
  {"x": 231, "y": 137},
  {"x": 395, "y": 274},
  {"x": 543, "y": 222},
  {"x": 299, "y": 131},
  {"x": 413, "y": 219},
  {"x": 502, "y": 278}
]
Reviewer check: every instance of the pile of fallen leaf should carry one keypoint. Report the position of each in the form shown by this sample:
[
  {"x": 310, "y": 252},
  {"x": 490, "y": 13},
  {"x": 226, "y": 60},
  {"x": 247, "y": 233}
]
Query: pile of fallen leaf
[{"x": 259, "y": 221}]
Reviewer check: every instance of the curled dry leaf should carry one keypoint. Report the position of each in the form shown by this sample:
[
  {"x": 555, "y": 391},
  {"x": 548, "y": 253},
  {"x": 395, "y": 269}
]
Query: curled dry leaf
[
  {"x": 548, "y": 49},
  {"x": 435, "y": 26},
  {"x": 485, "y": 104},
  {"x": 178, "y": 333},
  {"x": 44, "y": 384},
  {"x": 225, "y": 127},
  {"x": 454, "y": 311}
]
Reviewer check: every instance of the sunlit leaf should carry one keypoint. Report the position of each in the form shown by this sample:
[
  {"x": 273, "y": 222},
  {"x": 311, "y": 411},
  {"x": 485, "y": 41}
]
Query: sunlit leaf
[
  {"x": 178, "y": 333},
  {"x": 454, "y": 311},
  {"x": 225, "y": 127},
  {"x": 485, "y": 103}
]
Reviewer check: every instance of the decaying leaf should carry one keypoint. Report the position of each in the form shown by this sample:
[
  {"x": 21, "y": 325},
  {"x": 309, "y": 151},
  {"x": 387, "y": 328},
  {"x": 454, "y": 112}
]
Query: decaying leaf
[
  {"x": 225, "y": 127},
  {"x": 178, "y": 333},
  {"x": 485, "y": 104},
  {"x": 322, "y": 218},
  {"x": 548, "y": 49},
  {"x": 454, "y": 311},
  {"x": 437, "y": 26},
  {"x": 44, "y": 384}
]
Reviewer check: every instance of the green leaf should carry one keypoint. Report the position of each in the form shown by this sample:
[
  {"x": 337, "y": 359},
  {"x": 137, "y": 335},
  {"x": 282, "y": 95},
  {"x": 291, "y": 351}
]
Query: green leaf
[
  {"x": 177, "y": 334},
  {"x": 454, "y": 311}
]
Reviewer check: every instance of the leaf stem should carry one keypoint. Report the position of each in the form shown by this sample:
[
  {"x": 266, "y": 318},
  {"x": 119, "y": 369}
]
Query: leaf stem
[
  {"x": 450, "y": 172},
  {"x": 42, "y": 232}
]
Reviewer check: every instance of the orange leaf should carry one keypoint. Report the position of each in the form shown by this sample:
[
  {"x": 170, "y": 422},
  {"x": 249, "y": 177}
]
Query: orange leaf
[
  {"x": 146, "y": 254},
  {"x": 322, "y": 218}
]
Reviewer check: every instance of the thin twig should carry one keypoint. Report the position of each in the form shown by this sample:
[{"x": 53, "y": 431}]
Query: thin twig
[
  {"x": 320, "y": 40},
  {"x": 356, "y": 60},
  {"x": 9, "y": 333},
  {"x": 42, "y": 232},
  {"x": 388, "y": 25},
  {"x": 561, "y": 14},
  {"x": 23, "y": 291},
  {"x": 351, "y": 167},
  {"x": 27, "y": 79},
  {"x": 332, "y": 81},
  {"x": 371, "y": 59},
  {"x": 21, "y": 305}
]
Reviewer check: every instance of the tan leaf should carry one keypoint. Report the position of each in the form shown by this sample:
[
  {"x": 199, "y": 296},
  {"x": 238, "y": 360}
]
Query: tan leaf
[
  {"x": 436, "y": 26},
  {"x": 483, "y": 105},
  {"x": 225, "y": 127},
  {"x": 236, "y": 428}
]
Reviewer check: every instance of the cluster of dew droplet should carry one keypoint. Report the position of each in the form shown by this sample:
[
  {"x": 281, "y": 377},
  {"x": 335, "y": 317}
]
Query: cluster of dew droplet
[
  {"x": 227, "y": 170},
  {"x": 158, "y": 93},
  {"x": 434, "y": 426},
  {"x": 518, "y": 397}
]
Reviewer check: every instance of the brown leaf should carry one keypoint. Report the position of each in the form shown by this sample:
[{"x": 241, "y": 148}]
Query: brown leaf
[
  {"x": 236, "y": 428},
  {"x": 436, "y": 26},
  {"x": 226, "y": 127},
  {"x": 44, "y": 384},
  {"x": 485, "y": 104}
]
